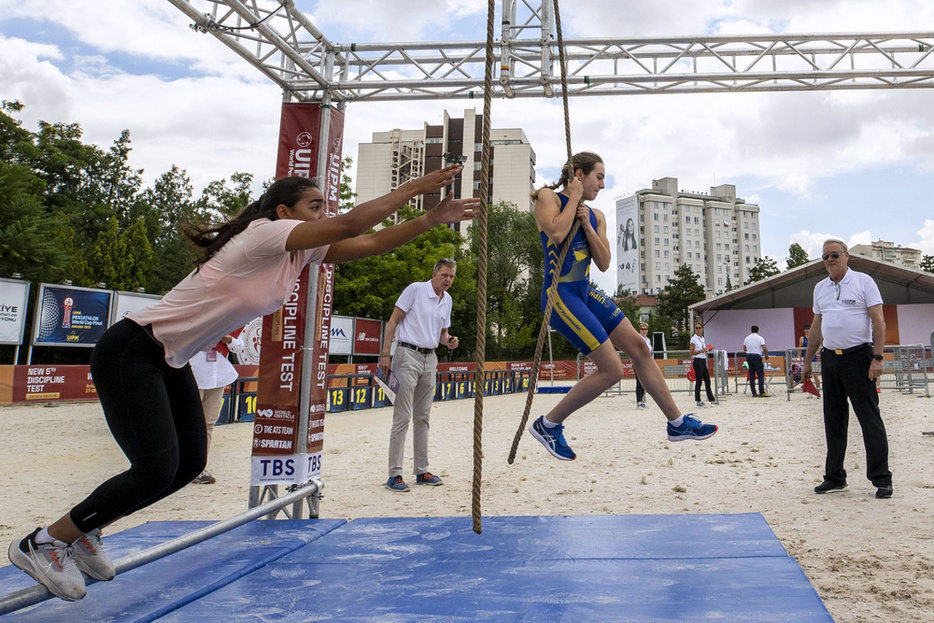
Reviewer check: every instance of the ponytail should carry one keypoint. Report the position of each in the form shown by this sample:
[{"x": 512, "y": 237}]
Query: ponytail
[
  {"x": 586, "y": 161},
  {"x": 287, "y": 191}
]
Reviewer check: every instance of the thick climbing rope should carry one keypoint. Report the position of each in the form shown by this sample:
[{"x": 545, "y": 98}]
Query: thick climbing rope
[
  {"x": 482, "y": 221},
  {"x": 556, "y": 267},
  {"x": 481, "y": 275}
]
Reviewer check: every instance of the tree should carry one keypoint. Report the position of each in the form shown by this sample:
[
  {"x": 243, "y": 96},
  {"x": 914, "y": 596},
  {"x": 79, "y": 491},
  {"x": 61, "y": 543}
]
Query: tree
[
  {"x": 927, "y": 263},
  {"x": 370, "y": 286},
  {"x": 767, "y": 267},
  {"x": 626, "y": 301},
  {"x": 682, "y": 291},
  {"x": 514, "y": 279},
  {"x": 796, "y": 256}
]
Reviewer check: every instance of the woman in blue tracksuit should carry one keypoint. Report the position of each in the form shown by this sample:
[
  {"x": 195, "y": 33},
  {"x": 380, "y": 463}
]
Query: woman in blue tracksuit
[{"x": 587, "y": 317}]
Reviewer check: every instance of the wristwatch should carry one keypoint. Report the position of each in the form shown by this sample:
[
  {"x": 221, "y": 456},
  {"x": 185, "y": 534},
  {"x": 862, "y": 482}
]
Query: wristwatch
[{"x": 877, "y": 357}]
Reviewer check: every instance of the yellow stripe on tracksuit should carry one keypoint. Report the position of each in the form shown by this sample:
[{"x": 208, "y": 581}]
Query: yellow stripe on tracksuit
[{"x": 571, "y": 320}]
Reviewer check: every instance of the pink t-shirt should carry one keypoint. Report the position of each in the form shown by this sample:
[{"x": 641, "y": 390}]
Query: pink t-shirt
[{"x": 252, "y": 275}]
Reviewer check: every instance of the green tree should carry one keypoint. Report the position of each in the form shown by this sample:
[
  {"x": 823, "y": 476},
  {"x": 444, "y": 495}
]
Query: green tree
[
  {"x": 796, "y": 256},
  {"x": 626, "y": 301},
  {"x": 683, "y": 289},
  {"x": 27, "y": 234},
  {"x": 514, "y": 278},
  {"x": 370, "y": 286},
  {"x": 927, "y": 263},
  {"x": 765, "y": 268}
]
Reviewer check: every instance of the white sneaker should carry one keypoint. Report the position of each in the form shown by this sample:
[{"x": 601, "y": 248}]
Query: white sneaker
[
  {"x": 641, "y": 405},
  {"x": 91, "y": 557},
  {"x": 50, "y": 564},
  {"x": 701, "y": 404}
]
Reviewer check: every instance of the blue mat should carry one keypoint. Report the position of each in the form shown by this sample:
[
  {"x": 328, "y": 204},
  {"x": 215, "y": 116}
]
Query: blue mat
[{"x": 643, "y": 568}]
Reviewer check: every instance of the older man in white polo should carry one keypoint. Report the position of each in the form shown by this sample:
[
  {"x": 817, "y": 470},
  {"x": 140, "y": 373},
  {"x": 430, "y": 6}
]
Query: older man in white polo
[
  {"x": 849, "y": 326},
  {"x": 420, "y": 324}
]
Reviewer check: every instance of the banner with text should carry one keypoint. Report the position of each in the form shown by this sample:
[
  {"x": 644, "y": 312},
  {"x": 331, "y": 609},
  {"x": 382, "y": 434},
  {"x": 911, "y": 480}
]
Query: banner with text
[
  {"x": 279, "y": 456},
  {"x": 14, "y": 296},
  {"x": 368, "y": 335},
  {"x": 70, "y": 316}
]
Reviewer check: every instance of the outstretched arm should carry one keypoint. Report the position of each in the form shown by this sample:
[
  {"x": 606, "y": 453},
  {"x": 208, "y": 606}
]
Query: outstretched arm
[
  {"x": 366, "y": 215},
  {"x": 450, "y": 210}
]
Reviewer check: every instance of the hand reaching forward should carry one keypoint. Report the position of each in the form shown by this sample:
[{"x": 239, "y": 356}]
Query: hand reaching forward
[{"x": 452, "y": 210}]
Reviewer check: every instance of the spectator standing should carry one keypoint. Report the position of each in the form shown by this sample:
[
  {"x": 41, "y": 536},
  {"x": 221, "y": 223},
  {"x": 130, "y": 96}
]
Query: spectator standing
[
  {"x": 640, "y": 391},
  {"x": 213, "y": 373},
  {"x": 698, "y": 353},
  {"x": 756, "y": 350}
]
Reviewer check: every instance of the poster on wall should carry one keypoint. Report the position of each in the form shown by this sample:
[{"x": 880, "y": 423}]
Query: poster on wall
[
  {"x": 129, "y": 302},
  {"x": 14, "y": 296},
  {"x": 70, "y": 316},
  {"x": 627, "y": 244}
]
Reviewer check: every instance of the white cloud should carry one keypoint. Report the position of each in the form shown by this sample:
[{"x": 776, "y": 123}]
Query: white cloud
[{"x": 926, "y": 233}]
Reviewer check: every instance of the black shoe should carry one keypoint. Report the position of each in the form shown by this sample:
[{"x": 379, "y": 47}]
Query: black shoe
[
  {"x": 828, "y": 486},
  {"x": 884, "y": 493}
]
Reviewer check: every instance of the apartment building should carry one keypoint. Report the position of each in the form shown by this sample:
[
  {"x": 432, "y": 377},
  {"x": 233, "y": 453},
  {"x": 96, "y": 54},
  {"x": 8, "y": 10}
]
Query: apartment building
[
  {"x": 663, "y": 227},
  {"x": 396, "y": 156}
]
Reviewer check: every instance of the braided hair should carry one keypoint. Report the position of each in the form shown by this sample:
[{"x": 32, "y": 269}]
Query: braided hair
[{"x": 287, "y": 191}]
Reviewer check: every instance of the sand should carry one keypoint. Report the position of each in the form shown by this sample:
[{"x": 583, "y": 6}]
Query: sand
[{"x": 868, "y": 559}]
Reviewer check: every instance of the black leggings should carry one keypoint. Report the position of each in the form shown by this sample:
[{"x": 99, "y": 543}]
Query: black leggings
[
  {"x": 154, "y": 412},
  {"x": 702, "y": 375}
]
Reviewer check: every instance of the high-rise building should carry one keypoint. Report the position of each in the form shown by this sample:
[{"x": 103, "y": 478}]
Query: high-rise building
[
  {"x": 661, "y": 228},
  {"x": 397, "y": 156},
  {"x": 883, "y": 251}
]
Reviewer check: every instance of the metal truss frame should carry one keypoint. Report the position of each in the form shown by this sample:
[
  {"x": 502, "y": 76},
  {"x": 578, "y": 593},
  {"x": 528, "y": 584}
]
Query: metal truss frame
[{"x": 283, "y": 44}]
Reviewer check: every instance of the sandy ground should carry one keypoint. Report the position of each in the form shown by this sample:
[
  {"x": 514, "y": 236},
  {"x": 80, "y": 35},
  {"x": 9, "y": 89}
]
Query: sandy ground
[{"x": 869, "y": 559}]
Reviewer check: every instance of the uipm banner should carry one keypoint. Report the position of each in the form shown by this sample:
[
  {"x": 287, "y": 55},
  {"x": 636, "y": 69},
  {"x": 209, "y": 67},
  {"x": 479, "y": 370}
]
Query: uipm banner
[{"x": 280, "y": 456}]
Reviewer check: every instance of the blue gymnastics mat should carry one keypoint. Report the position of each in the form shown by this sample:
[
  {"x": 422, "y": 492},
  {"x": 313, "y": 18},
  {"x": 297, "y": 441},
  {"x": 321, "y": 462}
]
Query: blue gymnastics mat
[{"x": 639, "y": 568}]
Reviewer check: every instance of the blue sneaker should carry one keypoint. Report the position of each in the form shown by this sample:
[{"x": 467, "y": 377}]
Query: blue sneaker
[
  {"x": 428, "y": 479},
  {"x": 552, "y": 439},
  {"x": 395, "y": 483},
  {"x": 691, "y": 428}
]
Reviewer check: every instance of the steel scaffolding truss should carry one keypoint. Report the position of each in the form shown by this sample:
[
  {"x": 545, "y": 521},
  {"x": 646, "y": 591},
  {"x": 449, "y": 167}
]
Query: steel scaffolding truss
[{"x": 276, "y": 38}]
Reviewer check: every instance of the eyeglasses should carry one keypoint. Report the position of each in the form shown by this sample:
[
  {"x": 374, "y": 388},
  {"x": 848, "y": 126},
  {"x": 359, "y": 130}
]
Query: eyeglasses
[{"x": 832, "y": 254}]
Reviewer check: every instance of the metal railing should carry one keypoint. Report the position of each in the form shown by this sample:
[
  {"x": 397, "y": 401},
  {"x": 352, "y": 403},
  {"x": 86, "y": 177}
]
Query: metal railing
[{"x": 33, "y": 595}]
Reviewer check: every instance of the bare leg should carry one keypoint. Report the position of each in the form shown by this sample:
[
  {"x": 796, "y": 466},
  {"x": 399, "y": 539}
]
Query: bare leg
[
  {"x": 65, "y": 530},
  {"x": 628, "y": 340},
  {"x": 609, "y": 371}
]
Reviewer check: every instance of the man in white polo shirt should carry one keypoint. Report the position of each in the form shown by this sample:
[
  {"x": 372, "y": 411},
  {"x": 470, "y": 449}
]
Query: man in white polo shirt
[
  {"x": 419, "y": 323},
  {"x": 849, "y": 325},
  {"x": 755, "y": 349}
]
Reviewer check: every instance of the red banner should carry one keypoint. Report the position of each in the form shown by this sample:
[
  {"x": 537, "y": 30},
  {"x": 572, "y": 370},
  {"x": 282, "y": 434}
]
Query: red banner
[
  {"x": 52, "y": 383},
  {"x": 279, "y": 456},
  {"x": 367, "y": 336}
]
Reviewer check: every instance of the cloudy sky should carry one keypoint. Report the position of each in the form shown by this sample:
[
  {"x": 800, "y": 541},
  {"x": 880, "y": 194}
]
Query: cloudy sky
[{"x": 855, "y": 165}]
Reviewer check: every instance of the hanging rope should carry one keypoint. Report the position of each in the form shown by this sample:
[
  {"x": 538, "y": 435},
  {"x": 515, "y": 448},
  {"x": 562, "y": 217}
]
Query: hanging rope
[
  {"x": 479, "y": 375},
  {"x": 556, "y": 268}
]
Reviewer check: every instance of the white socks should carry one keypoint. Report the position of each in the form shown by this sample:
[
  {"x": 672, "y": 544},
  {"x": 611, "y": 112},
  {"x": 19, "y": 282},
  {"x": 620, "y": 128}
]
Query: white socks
[{"x": 678, "y": 422}]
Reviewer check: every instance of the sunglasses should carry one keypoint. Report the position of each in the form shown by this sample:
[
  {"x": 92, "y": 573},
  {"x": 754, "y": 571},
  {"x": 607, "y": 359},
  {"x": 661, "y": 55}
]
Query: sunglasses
[{"x": 832, "y": 254}]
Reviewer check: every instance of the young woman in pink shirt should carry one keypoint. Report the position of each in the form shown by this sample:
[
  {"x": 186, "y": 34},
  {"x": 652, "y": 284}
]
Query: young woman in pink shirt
[{"x": 140, "y": 366}]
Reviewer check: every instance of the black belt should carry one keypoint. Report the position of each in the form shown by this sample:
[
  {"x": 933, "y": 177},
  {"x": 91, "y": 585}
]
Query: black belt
[
  {"x": 418, "y": 349},
  {"x": 847, "y": 351}
]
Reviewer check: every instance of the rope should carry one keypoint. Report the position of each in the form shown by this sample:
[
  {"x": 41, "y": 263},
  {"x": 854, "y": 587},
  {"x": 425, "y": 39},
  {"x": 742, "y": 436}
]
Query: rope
[
  {"x": 556, "y": 269},
  {"x": 481, "y": 276}
]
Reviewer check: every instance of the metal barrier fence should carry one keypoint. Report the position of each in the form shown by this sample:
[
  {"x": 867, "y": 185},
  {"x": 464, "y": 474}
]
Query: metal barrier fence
[
  {"x": 905, "y": 368},
  {"x": 674, "y": 365}
]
